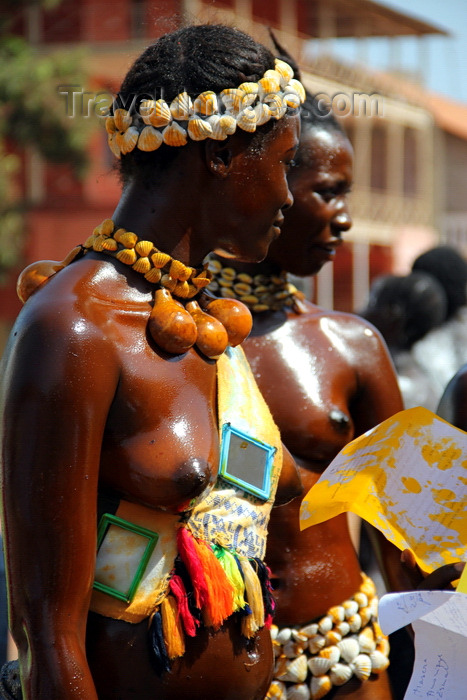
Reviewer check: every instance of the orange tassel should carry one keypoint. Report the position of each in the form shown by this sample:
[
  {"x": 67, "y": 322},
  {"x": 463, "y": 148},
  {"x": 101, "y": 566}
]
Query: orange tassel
[
  {"x": 171, "y": 624},
  {"x": 220, "y": 600}
]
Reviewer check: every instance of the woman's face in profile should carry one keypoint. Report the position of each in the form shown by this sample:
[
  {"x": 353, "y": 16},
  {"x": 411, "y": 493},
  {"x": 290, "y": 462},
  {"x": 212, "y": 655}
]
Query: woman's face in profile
[
  {"x": 320, "y": 184},
  {"x": 256, "y": 192}
]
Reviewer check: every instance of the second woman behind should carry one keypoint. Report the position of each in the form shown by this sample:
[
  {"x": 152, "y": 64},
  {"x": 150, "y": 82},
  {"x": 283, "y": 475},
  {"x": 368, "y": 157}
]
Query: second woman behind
[{"x": 327, "y": 377}]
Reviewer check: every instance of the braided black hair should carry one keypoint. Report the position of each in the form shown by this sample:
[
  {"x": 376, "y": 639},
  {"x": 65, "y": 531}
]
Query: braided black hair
[
  {"x": 195, "y": 59},
  {"x": 192, "y": 59}
]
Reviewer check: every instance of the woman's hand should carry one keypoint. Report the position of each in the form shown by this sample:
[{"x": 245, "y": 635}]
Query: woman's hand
[{"x": 440, "y": 579}]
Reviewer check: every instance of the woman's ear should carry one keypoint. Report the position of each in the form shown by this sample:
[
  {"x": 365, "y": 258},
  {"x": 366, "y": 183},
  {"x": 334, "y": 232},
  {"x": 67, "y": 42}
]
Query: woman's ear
[{"x": 219, "y": 156}]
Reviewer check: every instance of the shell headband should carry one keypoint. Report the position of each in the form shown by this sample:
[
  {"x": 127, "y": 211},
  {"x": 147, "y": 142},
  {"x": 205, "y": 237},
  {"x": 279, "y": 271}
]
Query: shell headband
[{"x": 208, "y": 116}]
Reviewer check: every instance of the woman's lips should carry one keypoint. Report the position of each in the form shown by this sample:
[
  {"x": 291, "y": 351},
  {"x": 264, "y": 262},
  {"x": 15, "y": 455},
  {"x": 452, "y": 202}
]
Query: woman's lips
[
  {"x": 327, "y": 249},
  {"x": 276, "y": 226},
  {"x": 278, "y": 222}
]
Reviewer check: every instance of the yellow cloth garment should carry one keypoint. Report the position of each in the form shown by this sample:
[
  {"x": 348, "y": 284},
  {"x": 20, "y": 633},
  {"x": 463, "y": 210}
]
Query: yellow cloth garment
[{"x": 228, "y": 515}]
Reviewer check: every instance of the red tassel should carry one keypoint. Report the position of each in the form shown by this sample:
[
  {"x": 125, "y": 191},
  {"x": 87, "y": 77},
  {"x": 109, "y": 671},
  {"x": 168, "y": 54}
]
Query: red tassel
[
  {"x": 189, "y": 556},
  {"x": 178, "y": 591},
  {"x": 214, "y": 593}
]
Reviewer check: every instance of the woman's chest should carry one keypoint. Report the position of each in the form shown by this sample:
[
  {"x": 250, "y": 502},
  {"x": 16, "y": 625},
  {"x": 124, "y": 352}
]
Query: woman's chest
[
  {"x": 161, "y": 440},
  {"x": 309, "y": 386}
]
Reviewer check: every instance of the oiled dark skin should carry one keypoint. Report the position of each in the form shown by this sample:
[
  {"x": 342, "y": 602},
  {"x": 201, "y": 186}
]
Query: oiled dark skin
[
  {"x": 90, "y": 402},
  {"x": 327, "y": 378}
]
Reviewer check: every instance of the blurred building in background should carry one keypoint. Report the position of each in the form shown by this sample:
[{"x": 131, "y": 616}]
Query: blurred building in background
[{"x": 410, "y": 147}]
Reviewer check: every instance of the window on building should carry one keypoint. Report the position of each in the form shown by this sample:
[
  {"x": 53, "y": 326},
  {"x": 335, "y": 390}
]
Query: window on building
[
  {"x": 379, "y": 160},
  {"x": 410, "y": 162}
]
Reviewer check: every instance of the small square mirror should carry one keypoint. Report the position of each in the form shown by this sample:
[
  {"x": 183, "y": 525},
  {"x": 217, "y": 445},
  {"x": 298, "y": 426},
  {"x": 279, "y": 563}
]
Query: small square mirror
[
  {"x": 246, "y": 461},
  {"x": 123, "y": 552}
]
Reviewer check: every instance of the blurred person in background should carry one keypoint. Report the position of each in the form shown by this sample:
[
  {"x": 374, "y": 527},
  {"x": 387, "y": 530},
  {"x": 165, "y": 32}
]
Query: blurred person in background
[
  {"x": 444, "y": 349},
  {"x": 404, "y": 309}
]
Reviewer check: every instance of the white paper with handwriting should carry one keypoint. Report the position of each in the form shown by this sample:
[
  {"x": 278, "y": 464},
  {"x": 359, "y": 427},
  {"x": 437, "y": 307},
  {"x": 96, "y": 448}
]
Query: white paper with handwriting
[{"x": 439, "y": 621}]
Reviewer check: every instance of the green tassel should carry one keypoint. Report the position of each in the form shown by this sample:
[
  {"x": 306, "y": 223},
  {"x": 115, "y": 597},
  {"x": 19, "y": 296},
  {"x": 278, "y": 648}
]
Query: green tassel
[{"x": 230, "y": 566}]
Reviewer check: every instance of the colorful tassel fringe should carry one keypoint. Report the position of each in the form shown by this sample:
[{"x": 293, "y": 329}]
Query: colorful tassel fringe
[
  {"x": 220, "y": 602},
  {"x": 188, "y": 555},
  {"x": 264, "y": 575},
  {"x": 208, "y": 584},
  {"x": 217, "y": 600}
]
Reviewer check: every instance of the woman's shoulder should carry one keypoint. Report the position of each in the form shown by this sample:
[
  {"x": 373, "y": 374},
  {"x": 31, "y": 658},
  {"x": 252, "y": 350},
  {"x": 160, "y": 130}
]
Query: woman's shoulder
[
  {"x": 80, "y": 303},
  {"x": 351, "y": 325}
]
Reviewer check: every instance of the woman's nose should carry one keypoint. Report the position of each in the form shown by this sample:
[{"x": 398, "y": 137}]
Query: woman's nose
[
  {"x": 288, "y": 202},
  {"x": 342, "y": 219}
]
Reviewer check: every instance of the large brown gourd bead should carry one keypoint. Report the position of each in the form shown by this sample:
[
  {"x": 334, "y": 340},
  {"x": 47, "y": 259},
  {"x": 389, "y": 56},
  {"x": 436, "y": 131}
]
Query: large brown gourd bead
[
  {"x": 234, "y": 316},
  {"x": 170, "y": 325},
  {"x": 212, "y": 337}
]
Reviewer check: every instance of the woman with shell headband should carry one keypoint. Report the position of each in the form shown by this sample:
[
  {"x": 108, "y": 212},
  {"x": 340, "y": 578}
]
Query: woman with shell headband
[
  {"x": 327, "y": 377},
  {"x": 134, "y": 535}
]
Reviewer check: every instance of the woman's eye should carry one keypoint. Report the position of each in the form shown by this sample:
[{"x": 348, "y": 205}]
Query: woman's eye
[
  {"x": 290, "y": 164},
  {"x": 327, "y": 195}
]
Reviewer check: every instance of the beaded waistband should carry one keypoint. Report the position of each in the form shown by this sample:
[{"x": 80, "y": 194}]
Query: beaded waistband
[{"x": 346, "y": 642}]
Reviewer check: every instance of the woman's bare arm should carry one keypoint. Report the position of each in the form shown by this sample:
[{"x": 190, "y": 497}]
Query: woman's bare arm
[{"x": 59, "y": 380}]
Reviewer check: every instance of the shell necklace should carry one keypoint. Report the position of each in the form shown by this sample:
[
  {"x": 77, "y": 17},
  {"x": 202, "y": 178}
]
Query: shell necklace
[
  {"x": 175, "y": 325},
  {"x": 258, "y": 292}
]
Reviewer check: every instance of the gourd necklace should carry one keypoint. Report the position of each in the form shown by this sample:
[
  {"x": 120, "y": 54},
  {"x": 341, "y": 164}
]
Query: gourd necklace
[{"x": 174, "y": 324}]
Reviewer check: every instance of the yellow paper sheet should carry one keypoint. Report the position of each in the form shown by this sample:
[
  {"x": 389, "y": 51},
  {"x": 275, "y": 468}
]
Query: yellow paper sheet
[
  {"x": 462, "y": 585},
  {"x": 408, "y": 478}
]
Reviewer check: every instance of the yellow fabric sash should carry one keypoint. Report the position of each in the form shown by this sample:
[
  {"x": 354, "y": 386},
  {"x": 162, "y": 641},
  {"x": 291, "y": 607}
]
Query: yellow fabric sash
[{"x": 228, "y": 515}]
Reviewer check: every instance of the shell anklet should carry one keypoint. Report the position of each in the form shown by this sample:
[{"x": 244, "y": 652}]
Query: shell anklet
[{"x": 178, "y": 320}]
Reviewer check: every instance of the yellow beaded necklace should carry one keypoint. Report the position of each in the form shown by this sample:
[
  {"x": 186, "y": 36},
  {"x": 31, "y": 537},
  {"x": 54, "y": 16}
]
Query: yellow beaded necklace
[
  {"x": 157, "y": 267},
  {"x": 175, "y": 325}
]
